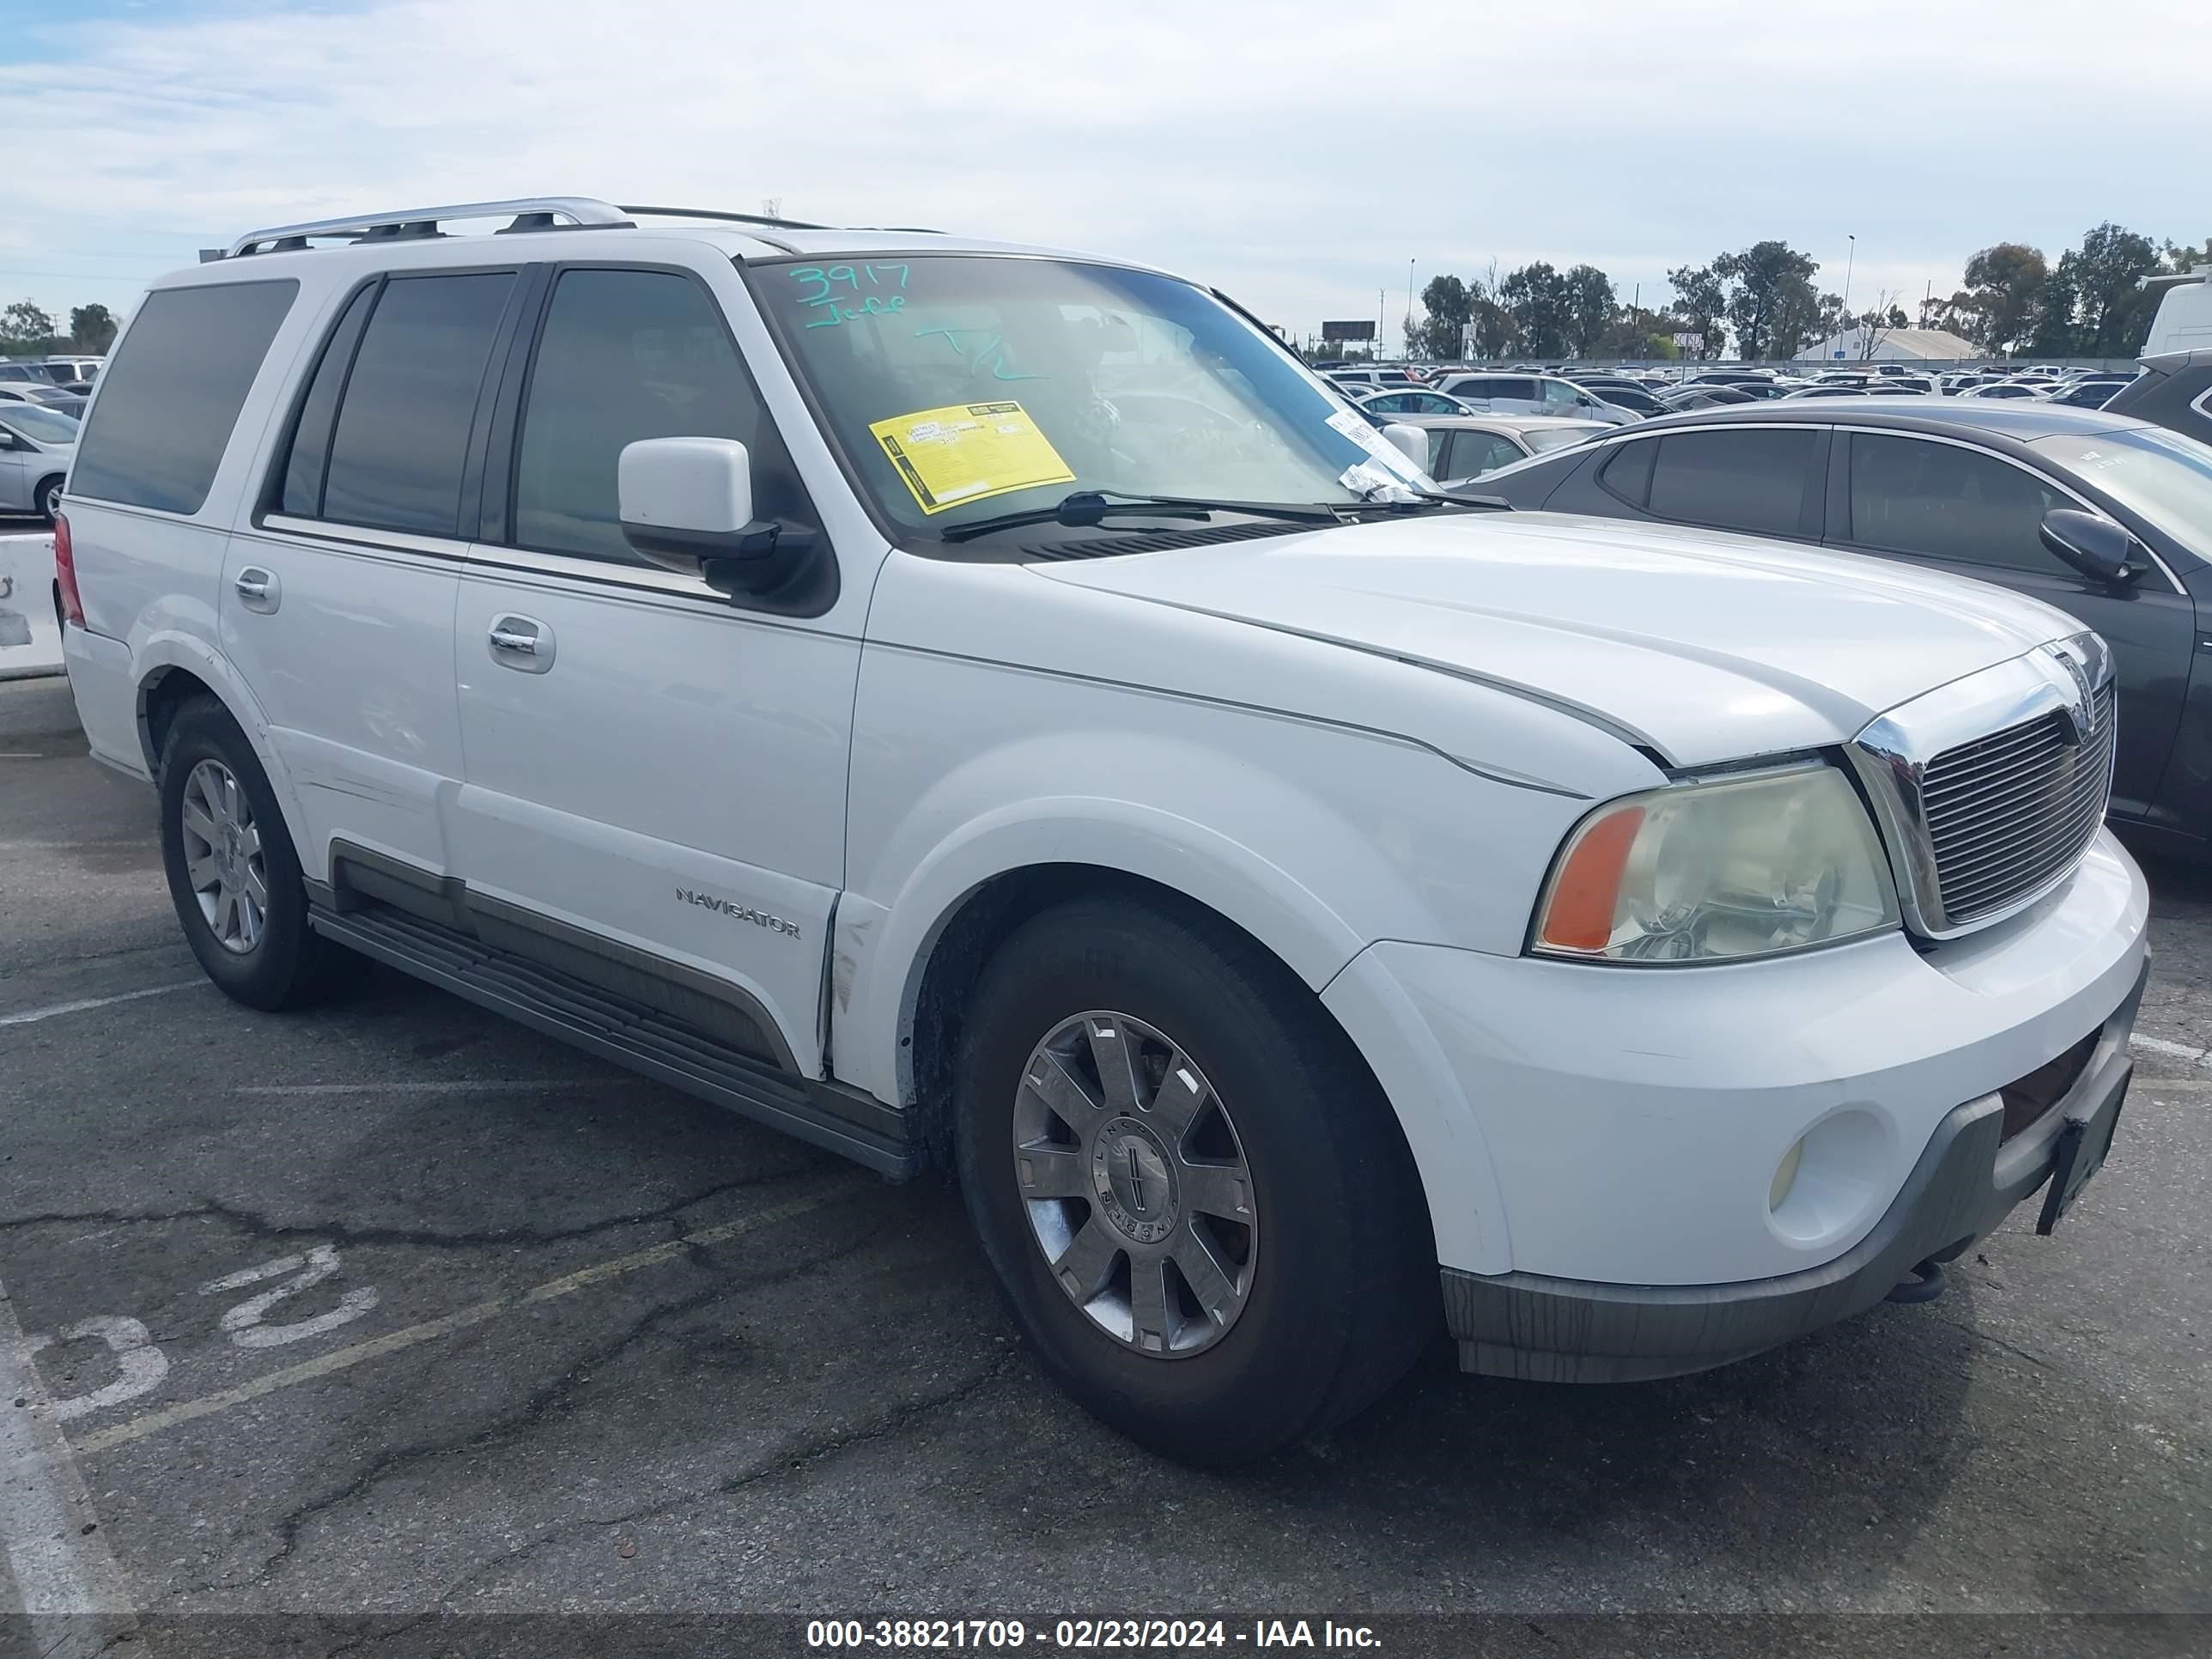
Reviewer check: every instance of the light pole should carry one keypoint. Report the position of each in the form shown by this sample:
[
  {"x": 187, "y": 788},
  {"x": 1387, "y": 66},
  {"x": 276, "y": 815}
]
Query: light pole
[
  {"x": 1849, "y": 260},
  {"x": 1408, "y": 338}
]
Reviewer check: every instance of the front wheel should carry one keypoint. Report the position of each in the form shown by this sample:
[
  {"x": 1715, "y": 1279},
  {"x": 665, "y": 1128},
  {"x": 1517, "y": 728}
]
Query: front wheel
[{"x": 1195, "y": 1197}]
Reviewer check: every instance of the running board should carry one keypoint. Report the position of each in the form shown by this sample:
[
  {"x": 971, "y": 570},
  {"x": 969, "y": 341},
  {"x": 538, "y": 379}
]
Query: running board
[{"x": 837, "y": 1119}]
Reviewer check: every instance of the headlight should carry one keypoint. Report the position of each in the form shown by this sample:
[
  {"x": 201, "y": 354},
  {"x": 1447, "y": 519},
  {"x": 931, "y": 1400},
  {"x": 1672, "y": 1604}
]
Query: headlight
[{"x": 1713, "y": 872}]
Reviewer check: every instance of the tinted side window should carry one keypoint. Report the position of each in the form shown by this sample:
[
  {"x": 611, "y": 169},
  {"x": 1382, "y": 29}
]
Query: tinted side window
[
  {"x": 625, "y": 354},
  {"x": 1910, "y": 496},
  {"x": 1627, "y": 471},
  {"x": 173, "y": 396},
  {"x": 1734, "y": 480},
  {"x": 402, "y": 430},
  {"x": 302, "y": 491}
]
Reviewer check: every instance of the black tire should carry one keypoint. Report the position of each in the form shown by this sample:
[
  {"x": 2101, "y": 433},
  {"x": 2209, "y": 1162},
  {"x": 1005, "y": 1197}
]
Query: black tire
[
  {"x": 47, "y": 498},
  {"x": 288, "y": 965},
  {"x": 1343, "y": 1288}
]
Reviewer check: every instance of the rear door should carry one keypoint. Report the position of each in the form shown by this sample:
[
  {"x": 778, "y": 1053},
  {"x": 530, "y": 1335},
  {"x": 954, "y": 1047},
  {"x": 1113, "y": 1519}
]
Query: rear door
[
  {"x": 336, "y": 603},
  {"x": 1952, "y": 506}
]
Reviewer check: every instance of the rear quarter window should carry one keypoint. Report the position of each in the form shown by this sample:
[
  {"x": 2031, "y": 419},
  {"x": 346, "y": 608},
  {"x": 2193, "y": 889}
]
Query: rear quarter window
[{"x": 171, "y": 397}]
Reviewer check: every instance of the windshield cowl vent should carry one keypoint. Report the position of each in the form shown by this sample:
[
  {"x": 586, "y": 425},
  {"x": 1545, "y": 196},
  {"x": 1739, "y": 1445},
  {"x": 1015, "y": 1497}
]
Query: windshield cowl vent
[{"x": 1162, "y": 541}]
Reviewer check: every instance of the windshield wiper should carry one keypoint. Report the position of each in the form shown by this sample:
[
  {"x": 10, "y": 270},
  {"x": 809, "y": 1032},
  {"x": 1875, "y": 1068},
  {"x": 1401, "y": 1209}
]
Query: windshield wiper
[
  {"x": 1426, "y": 498},
  {"x": 1083, "y": 508}
]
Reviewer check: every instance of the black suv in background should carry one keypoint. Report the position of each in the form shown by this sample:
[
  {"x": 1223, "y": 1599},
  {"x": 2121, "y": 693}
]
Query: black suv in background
[
  {"x": 2106, "y": 518},
  {"x": 2174, "y": 389}
]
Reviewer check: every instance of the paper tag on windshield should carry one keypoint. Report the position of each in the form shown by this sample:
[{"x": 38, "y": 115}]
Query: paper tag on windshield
[
  {"x": 966, "y": 451},
  {"x": 1363, "y": 432}
]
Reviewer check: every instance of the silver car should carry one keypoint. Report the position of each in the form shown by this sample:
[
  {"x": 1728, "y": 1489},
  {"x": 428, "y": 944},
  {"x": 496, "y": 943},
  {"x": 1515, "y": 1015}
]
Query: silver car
[{"x": 36, "y": 447}]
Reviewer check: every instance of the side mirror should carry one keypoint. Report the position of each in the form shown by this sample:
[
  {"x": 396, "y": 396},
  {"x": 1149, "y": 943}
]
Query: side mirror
[
  {"x": 687, "y": 505},
  {"x": 1411, "y": 440},
  {"x": 2093, "y": 544}
]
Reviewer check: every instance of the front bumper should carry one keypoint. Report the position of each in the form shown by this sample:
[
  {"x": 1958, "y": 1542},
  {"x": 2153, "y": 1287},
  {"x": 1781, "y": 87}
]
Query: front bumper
[{"x": 1965, "y": 1181}]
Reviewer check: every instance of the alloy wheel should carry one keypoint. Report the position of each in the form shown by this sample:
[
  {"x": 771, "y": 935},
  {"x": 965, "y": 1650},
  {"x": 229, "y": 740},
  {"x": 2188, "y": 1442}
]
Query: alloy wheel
[
  {"x": 1135, "y": 1184},
  {"x": 223, "y": 857}
]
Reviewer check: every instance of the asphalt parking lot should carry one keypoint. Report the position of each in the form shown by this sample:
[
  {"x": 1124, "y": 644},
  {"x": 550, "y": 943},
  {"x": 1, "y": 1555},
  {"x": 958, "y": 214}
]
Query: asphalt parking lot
[{"x": 393, "y": 1309}]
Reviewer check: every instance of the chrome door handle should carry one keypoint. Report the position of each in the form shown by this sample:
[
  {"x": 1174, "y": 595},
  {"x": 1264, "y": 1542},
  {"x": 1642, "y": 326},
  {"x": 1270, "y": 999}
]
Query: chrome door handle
[
  {"x": 258, "y": 589},
  {"x": 522, "y": 642}
]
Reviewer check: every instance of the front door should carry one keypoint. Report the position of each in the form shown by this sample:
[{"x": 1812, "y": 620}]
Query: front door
[
  {"x": 655, "y": 776},
  {"x": 1956, "y": 508}
]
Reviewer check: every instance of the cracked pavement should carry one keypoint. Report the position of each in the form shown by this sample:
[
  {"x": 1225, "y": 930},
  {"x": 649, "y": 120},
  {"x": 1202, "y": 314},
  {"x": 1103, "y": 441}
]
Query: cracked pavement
[{"x": 828, "y": 1412}]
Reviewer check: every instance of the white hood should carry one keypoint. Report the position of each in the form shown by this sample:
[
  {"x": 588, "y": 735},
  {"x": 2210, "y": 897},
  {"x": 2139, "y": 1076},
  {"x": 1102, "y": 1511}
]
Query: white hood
[{"x": 1705, "y": 647}]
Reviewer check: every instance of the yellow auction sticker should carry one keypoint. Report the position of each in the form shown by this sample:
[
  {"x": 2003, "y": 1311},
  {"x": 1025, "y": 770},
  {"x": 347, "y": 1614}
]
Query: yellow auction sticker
[{"x": 965, "y": 452}]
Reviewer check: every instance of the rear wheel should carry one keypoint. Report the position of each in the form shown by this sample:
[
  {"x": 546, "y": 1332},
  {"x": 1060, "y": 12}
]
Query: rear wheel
[
  {"x": 49, "y": 498},
  {"x": 1194, "y": 1195},
  {"x": 234, "y": 876}
]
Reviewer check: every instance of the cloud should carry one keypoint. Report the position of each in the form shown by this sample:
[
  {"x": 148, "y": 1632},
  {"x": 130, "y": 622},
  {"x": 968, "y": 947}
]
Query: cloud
[{"x": 1298, "y": 153}]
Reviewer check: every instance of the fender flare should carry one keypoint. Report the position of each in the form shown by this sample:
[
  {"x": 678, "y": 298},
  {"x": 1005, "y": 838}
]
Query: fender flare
[
  {"x": 1186, "y": 857},
  {"x": 156, "y": 652}
]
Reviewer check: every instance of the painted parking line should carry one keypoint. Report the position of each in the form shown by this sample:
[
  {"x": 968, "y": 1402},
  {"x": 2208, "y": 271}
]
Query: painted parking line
[
  {"x": 66, "y": 1577},
  {"x": 430, "y": 1330},
  {"x": 32, "y": 1015}
]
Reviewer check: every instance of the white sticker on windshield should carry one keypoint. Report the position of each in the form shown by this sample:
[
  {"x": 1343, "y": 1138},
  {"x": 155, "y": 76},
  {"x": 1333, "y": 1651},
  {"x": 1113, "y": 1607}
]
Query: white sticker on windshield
[{"x": 1363, "y": 434}]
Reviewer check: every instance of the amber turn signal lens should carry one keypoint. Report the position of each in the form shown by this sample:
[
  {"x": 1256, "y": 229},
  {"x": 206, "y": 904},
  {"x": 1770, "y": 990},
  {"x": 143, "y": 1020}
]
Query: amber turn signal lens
[{"x": 1585, "y": 896}]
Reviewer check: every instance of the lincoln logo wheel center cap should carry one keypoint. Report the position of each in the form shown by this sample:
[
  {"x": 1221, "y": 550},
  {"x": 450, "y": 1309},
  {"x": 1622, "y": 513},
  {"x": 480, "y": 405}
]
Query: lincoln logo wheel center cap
[{"x": 1134, "y": 1179}]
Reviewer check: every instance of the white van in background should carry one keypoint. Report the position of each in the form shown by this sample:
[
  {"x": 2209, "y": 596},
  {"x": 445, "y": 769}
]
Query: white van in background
[{"x": 2183, "y": 322}]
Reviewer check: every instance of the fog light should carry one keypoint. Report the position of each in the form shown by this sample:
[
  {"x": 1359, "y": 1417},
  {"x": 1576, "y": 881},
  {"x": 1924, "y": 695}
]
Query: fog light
[{"x": 1785, "y": 1176}]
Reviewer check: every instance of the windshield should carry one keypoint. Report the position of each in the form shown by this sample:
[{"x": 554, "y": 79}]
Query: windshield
[
  {"x": 961, "y": 388},
  {"x": 46, "y": 425},
  {"x": 2164, "y": 476}
]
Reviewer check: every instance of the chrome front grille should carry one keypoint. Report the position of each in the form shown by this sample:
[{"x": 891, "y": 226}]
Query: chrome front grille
[
  {"x": 1989, "y": 789},
  {"x": 2006, "y": 813}
]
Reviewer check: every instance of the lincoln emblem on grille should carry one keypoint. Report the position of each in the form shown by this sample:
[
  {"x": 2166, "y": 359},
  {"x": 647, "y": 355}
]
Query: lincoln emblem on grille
[{"x": 2072, "y": 679}]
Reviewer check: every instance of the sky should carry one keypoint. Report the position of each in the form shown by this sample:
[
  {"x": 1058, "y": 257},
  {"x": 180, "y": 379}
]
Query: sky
[{"x": 1297, "y": 155}]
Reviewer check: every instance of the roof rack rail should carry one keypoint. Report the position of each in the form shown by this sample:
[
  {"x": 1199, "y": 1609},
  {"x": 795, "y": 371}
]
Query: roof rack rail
[
  {"x": 718, "y": 214},
  {"x": 531, "y": 213}
]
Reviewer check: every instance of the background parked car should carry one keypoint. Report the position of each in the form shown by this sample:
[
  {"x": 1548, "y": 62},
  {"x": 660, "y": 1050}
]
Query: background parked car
[
  {"x": 2106, "y": 518},
  {"x": 36, "y": 447},
  {"x": 1466, "y": 446},
  {"x": 1704, "y": 397},
  {"x": 1533, "y": 394},
  {"x": 2090, "y": 391},
  {"x": 2174, "y": 390},
  {"x": 45, "y": 397},
  {"x": 1412, "y": 403}
]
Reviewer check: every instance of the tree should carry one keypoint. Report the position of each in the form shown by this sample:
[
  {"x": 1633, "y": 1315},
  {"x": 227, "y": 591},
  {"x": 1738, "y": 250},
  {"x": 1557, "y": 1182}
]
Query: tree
[
  {"x": 1877, "y": 323},
  {"x": 1771, "y": 304},
  {"x": 2112, "y": 311},
  {"x": 26, "y": 330},
  {"x": 2002, "y": 304},
  {"x": 92, "y": 328},
  {"x": 1537, "y": 296},
  {"x": 2181, "y": 259},
  {"x": 1590, "y": 305},
  {"x": 1448, "y": 306},
  {"x": 1700, "y": 301},
  {"x": 1635, "y": 331},
  {"x": 2056, "y": 335}
]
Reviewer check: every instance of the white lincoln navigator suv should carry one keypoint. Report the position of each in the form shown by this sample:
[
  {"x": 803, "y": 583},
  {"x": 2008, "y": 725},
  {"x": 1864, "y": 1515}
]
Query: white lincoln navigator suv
[{"x": 992, "y": 710}]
